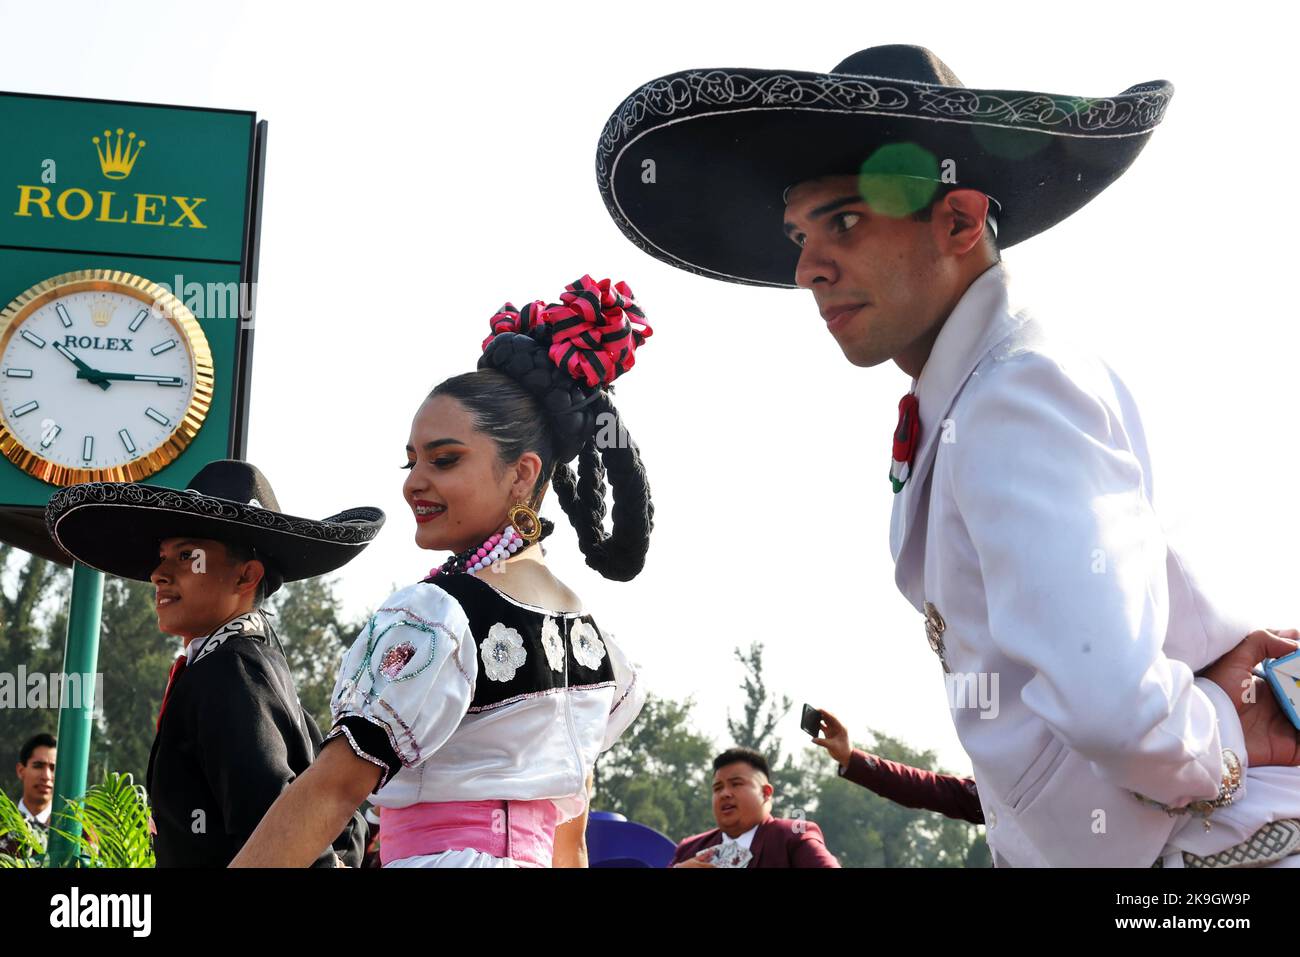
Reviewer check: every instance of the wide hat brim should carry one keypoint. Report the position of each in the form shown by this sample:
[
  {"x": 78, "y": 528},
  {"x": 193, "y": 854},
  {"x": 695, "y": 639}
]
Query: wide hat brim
[
  {"x": 693, "y": 166},
  {"x": 116, "y": 527}
]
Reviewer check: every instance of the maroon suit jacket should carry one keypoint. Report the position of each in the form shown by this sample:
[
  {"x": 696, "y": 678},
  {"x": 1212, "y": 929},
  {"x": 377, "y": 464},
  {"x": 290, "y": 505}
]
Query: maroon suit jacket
[
  {"x": 776, "y": 844},
  {"x": 911, "y": 787}
]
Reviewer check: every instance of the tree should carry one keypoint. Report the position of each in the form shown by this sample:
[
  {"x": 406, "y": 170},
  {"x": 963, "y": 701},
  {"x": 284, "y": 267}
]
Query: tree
[
  {"x": 866, "y": 830},
  {"x": 794, "y": 784},
  {"x": 861, "y": 828},
  {"x": 761, "y": 714},
  {"x": 658, "y": 772},
  {"x": 306, "y": 617},
  {"x": 134, "y": 659},
  {"x": 23, "y": 644}
]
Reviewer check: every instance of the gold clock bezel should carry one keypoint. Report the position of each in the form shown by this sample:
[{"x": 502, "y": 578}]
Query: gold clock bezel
[{"x": 150, "y": 294}]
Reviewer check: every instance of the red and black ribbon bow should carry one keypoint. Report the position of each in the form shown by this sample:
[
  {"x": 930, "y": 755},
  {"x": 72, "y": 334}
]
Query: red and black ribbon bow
[{"x": 595, "y": 329}]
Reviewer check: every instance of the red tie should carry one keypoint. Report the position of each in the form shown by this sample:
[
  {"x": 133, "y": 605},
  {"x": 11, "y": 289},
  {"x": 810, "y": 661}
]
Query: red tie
[{"x": 177, "y": 667}]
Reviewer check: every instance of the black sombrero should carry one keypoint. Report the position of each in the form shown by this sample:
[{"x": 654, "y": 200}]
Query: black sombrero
[
  {"x": 693, "y": 166},
  {"x": 116, "y": 526}
]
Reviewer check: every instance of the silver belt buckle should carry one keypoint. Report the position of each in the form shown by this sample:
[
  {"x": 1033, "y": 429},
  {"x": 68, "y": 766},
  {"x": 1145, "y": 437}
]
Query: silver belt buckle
[{"x": 934, "y": 628}]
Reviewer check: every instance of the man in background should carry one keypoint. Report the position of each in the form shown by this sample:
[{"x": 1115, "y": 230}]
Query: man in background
[
  {"x": 35, "y": 769},
  {"x": 747, "y": 834}
]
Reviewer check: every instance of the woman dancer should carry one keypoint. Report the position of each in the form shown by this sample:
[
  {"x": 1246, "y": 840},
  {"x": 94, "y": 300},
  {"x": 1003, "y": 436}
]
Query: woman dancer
[{"x": 473, "y": 704}]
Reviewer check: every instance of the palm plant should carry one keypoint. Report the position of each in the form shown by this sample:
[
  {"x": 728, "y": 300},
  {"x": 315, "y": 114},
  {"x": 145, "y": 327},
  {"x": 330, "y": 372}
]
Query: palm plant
[{"x": 109, "y": 827}]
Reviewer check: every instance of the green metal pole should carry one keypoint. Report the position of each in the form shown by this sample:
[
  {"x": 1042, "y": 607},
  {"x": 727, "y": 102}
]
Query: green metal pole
[{"x": 80, "y": 657}]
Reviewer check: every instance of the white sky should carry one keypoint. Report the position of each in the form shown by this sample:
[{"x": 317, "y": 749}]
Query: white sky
[{"x": 427, "y": 163}]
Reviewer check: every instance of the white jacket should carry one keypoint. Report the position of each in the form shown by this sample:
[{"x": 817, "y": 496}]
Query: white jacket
[{"x": 1027, "y": 522}]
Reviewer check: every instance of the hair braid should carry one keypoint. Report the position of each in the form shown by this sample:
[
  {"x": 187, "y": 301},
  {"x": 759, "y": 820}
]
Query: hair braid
[{"x": 621, "y": 553}]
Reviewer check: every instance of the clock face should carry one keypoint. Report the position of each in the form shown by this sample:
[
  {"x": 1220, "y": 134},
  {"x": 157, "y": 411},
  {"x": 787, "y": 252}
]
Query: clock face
[{"x": 104, "y": 376}]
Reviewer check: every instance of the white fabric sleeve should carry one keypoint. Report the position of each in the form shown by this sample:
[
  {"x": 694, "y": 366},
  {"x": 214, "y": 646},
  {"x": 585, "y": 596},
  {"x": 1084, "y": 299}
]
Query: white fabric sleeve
[
  {"x": 1231, "y": 736},
  {"x": 410, "y": 673},
  {"x": 1073, "y": 561},
  {"x": 629, "y": 694}
]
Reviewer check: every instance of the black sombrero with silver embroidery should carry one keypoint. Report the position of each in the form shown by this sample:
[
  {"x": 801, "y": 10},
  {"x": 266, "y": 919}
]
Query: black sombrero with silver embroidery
[
  {"x": 693, "y": 166},
  {"x": 116, "y": 526}
]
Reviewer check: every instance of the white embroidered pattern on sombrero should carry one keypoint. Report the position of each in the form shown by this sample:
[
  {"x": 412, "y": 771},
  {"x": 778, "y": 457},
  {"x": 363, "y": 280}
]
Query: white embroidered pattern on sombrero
[
  {"x": 1134, "y": 112},
  {"x": 333, "y": 529}
]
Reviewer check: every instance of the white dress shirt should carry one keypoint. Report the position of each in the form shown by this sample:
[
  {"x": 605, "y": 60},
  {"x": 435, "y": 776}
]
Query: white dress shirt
[
  {"x": 1028, "y": 524},
  {"x": 743, "y": 840},
  {"x": 43, "y": 817}
]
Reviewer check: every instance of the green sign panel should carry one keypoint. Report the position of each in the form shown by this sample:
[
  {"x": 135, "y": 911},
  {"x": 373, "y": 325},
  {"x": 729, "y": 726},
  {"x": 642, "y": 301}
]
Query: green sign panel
[{"x": 104, "y": 376}]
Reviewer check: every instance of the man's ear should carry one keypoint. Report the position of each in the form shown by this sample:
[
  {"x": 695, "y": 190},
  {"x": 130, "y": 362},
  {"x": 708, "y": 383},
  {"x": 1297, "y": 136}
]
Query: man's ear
[
  {"x": 250, "y": 574},
  {"x": 960, "y": 220}
]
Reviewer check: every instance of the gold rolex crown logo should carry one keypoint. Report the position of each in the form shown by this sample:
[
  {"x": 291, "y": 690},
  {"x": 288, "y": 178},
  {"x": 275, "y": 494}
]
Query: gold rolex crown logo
[
  {"x": 101, "y": 311},
  {"x": 116, "y": 159}
]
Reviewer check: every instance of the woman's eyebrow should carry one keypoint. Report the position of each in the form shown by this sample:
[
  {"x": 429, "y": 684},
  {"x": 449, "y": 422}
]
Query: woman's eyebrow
[{"x": 430, "y": 446}]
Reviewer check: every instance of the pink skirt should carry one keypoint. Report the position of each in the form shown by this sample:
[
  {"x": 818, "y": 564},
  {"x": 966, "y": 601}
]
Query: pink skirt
[{"x": 520, "y": 831}]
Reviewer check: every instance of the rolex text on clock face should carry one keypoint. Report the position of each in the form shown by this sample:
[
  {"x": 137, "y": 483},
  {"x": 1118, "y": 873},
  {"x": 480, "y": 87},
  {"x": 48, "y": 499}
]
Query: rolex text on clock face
[{"x": 97, "y": 379}]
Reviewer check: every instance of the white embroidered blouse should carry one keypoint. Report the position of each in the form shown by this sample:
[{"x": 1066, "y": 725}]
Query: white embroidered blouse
[{"x": 461, "y": 693}]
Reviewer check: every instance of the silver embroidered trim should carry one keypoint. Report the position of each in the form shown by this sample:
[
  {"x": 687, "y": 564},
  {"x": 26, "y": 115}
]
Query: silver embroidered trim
[
  {"x": 626, "y": 691},
  {"x": 342, "y": 729},
  {"x": 1272, "y": 842},
  {"x": 355, "y": 526},
  {"x": 527, "y": 607},
  {"x": 686, "y": 96},
  {"x": 252, "y": 625},
  {"x": 1134, "y": 112},
  {"x": 527, "y": 695}
]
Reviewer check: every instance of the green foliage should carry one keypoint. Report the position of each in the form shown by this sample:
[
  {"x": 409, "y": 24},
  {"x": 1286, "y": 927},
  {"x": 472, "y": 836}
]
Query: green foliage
[
  {"x": 865, "y": 830},
  {"x": 307, "y": 619},
  {"x": 658, "y": 772},
  {"x": 109, "y": 827},
  {"x": 762, "y": 712},
  {"x": 25, "y": 585},
  {"x": 24, "y": 844},
  {"x": 134, "y": 658}
]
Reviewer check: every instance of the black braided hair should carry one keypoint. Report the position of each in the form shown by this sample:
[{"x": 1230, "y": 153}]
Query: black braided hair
[
  {"x": 524, "y": 402},
  {"x": 620, "y": 555}
]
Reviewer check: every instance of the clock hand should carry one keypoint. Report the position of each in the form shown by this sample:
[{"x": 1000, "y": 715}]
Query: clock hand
[
  {"x": 131, "y": 377},
  {"x": 84, "y": 371}
]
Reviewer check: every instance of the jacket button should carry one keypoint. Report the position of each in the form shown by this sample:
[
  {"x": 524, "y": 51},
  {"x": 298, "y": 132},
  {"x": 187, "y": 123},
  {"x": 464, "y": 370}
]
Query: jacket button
[{"x": 991, "y": 820}]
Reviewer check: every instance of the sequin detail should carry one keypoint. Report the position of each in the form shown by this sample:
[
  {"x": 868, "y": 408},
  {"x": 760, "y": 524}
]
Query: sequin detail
[
  {"x": 502, "y": 653},
  {"x": 587, "y": 646},
  {"x": 406, "y": 730},
  {"x": 341, "y": 730},
  {"x": 527, "y": 695},
  {"x": 395, "y": 659},
  {"x": 553, "y": 644},
  {"x": 626, "y": 691}
]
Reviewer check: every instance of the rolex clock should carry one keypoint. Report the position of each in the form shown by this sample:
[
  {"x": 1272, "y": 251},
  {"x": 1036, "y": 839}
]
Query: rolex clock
[{"x": 104, "y": 377}]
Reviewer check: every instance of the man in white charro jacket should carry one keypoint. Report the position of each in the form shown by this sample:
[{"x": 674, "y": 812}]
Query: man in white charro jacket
[{"x": 1129, "y": 730}]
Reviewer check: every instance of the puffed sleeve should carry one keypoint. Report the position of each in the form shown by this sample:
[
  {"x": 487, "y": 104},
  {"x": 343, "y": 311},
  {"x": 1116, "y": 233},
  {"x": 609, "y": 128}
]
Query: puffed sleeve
[
  {"x": 1073, "y": 561},
  {"x": 629, "y": 694},
  {"x": 407, "y": 681}
]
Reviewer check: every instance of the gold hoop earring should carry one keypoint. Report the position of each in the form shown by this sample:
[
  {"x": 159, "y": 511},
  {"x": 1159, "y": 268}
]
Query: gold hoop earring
[{"x": 525, "y": 522}]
